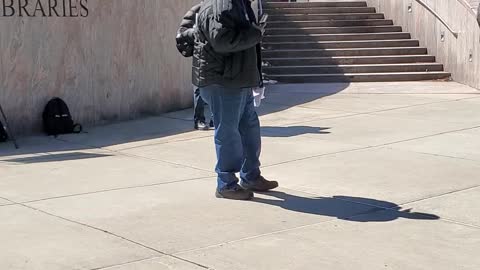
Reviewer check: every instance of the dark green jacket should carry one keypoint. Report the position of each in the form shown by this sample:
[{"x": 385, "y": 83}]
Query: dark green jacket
[{"x": 225, "y": 52}]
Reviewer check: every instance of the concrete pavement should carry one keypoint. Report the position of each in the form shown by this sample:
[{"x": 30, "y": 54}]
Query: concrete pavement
[{"x": 373, "y": 176}]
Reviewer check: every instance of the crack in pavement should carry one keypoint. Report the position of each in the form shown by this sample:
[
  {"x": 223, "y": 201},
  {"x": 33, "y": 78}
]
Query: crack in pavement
[
  {"x": 116, "y": 236},
  {"x": 117, "y": 189}
]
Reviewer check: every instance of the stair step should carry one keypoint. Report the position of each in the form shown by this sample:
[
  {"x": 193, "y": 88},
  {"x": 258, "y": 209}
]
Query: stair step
[
  {"x": 351, "y": 60},
  {"x": 320, "y": 10},
  {"x": 340, "y": 44},
  {"x": 337, "y": 37},
  {"x": 341, "y": 41},
  {"x": 319, "y": 17},
  {"x": 361, "y": 77},
  {"x": 313, "y": 4},
  {"x": 376, "y": 68},
  {"x": 327, "y": 23},
  {"x": 344, "y": 52},
  {"x": 332, "y": 30}
]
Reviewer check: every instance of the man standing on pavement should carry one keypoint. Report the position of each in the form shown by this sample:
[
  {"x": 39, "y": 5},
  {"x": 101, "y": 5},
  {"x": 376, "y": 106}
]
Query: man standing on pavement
[{"x": 225, "y": 69}]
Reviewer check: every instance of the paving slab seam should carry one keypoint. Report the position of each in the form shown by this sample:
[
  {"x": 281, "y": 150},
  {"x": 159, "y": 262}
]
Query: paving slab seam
[
  {"x": 165, "y": 161},
  {"x": 396, "y": 208},
  {"x": 401, "y": 204},
  {"x": 442, "y": 195},
  {"x": 319, "y": 155},
  {"x": 117, "y": 236},
  {"x": 448, "y": 220},
  {"x": 175, "y": 118},
  {"x": 330, "y": 220},
  {"x": 375, "y": 208},
  {"x": 167, "y": 142},
  {"x": 433, "y": 154},
  {"x": 429, "y": 136},
  {"x": 378, "y": 146},
  {"x": 347, "y": 115},
  {"x": 137, "y": 156},
  {"x": 373, "y": 112},
  {"x": 10, "y": 202},
  {"x": 342, "y": 93},
  {"x": 117, "y": 189},
  {"x": 128, "y": 263},
  {"x": 305, "y": 107}
]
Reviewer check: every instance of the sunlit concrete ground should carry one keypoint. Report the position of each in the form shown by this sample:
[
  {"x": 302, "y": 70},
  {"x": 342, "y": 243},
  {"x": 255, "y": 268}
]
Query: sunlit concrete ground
[{"x": 373, "y": 176}]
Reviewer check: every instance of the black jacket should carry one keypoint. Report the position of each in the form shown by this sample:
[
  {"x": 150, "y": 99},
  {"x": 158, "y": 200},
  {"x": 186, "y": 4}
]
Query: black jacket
[
  {"x": 185, "y": 35},
  {"x": 226, "y": 47}
]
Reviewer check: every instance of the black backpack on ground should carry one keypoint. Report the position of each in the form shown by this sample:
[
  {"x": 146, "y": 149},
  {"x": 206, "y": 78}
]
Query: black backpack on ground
[
  {"x": 57, "y": 118},
  {"x": 3, "y": 133}
]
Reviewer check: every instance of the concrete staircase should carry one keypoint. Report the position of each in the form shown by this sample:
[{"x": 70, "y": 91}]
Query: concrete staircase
[{"x": 343, "y": 41}]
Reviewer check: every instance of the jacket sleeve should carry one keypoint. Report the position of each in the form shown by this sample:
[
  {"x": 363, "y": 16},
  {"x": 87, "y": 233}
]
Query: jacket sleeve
[
  {"x": 186, "y": 27},
  {"x": 226, "y": 37}
]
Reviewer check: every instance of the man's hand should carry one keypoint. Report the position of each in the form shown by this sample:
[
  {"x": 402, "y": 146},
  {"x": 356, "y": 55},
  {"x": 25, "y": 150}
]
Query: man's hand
[{"x": 260, "y": 27}]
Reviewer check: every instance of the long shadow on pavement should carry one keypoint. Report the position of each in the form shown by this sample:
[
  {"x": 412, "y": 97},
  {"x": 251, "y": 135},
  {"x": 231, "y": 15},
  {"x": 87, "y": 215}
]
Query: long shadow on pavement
[{"x": 330, "y": 206}]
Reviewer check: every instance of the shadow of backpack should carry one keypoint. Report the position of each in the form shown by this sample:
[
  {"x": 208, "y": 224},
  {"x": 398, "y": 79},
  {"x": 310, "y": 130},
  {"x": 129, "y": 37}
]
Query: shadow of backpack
[{"x": 57, "y": 118}]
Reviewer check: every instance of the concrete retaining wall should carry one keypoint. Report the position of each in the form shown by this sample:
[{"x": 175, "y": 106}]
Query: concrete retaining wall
[
  {"x": 461, "y": 55},
  {"x": 118, "y": 63}
]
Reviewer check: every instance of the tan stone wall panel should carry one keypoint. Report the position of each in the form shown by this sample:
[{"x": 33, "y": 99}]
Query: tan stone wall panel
[{"x": 118, "y": 63}]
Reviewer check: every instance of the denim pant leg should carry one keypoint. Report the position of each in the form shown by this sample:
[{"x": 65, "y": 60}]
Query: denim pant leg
[
  {"x": 227, "y": 106},
  {"x": 251, "y": 141},
  {"x": 198, "y": 106}
]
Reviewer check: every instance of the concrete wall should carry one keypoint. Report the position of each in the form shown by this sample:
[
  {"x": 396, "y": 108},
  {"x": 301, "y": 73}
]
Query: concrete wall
[
  {"x": 118, "y": 63},
  {"x": 461, "y": 55}
]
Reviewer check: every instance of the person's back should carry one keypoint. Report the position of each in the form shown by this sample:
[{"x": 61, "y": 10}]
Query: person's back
[
  {"x": 226, "y": 68},
  {"x": 226, "y": 52}
]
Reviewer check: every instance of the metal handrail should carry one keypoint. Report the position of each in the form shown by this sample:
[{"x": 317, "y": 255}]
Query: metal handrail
[
  {"x": 424, "y": 4},
  {"x": 468, "y": 6},
  {"x": 260, "y": 9}
]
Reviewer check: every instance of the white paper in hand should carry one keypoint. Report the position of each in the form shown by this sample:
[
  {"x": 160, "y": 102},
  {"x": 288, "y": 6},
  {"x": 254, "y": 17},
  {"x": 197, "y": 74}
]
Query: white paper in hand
[{"x": 258, "y": 95}]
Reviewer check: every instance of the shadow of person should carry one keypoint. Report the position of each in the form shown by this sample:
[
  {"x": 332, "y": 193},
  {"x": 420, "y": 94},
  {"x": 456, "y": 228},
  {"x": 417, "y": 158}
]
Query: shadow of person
[
  {"x": 338, "y": 206},
  {"x": 293, "y": 131}
]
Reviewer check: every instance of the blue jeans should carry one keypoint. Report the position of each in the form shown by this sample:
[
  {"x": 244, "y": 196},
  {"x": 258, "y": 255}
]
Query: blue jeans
[
  {"x": 199, "y": 107},
  {"x": 237, "y": 134}
]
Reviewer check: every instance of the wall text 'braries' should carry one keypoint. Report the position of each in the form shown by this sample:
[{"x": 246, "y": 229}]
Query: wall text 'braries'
[{"x": 44, "y": 8}]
